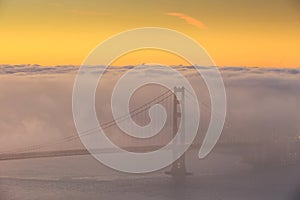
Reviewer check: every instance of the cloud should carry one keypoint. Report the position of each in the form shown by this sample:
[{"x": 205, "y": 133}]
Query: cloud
[
  {"x": 36, "y": 101},
  {"x": 27, "y": 69},
  {"x": 36, "y": 69},
  {"x": 189, "y": 20}
]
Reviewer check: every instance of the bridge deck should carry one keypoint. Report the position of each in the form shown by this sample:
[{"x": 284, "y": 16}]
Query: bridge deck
[{"x": 77, "y": 152}]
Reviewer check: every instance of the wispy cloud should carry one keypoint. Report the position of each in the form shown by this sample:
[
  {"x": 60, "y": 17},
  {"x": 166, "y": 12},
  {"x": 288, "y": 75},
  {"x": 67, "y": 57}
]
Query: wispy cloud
[
  {"x": 188, "y": 19},
  {"x": 88, "y": 12}
]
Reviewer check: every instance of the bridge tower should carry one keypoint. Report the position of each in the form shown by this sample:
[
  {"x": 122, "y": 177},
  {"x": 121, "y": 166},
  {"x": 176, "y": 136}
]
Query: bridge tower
[{"x": 178, "y": 168}]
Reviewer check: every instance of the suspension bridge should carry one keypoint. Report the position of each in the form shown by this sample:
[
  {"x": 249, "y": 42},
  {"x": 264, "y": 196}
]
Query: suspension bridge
[{"x": 169, "y": 99}]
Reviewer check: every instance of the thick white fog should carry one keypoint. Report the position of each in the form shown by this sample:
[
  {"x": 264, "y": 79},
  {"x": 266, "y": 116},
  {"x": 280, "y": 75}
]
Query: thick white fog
[{"x": 36, "y": 102}]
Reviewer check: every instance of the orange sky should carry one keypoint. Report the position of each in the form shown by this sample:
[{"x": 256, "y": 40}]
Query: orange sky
[{"x": 235, "y": 33}]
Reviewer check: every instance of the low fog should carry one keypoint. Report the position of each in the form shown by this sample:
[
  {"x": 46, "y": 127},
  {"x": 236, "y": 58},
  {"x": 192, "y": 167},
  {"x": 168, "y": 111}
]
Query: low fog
[{"x": 36, "y": 102}]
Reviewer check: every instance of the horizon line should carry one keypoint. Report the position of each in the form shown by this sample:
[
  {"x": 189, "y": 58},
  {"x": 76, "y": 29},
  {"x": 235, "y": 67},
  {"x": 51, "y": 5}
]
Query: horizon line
[{"x": 145, "y": 64}]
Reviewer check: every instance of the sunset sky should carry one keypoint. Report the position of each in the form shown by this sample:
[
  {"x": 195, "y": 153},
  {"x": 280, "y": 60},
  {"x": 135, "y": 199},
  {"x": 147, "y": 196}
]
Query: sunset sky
[{"x": 234, "y": 32}]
